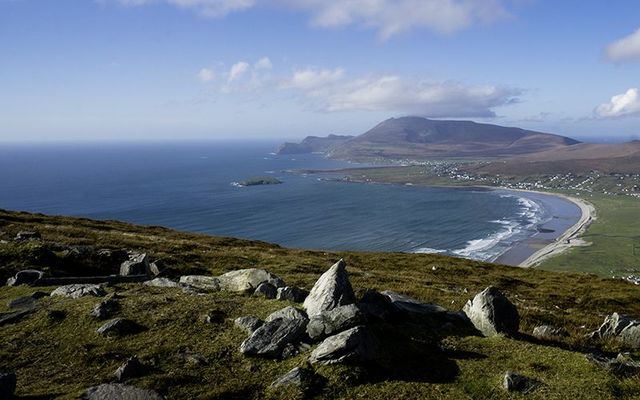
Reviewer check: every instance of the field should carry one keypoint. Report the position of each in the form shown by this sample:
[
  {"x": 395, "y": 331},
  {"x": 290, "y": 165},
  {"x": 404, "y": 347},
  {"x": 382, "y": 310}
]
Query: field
[{"x": 57, "y": 353}]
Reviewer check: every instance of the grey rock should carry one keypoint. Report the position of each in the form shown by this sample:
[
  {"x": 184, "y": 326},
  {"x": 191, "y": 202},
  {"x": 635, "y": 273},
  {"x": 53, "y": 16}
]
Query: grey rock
[
  {"x": 622, "y": 365},
  {"x": 203, "y": 282},
  {"x": 411, "y": 306},
  {"x": 78, "y": 290},
  {"x": 164, "y": 283},
  {"x": 157, "y": 267},
  {"x": 248, "y": 324},
  {"x": 332, "y": 290},
  {"x": 354, "y": 346},
  {"x": 291, "y": 293},
  {"x": 119, "y": 327},
  {"x": 247, "y": 280},
  {"x": 514, "y": 382},
  {"x": 548, "y": 332},
  {"x": 271, "y": 338},
  {"x": 492, "y": 313},
  {"x": 620, "y": 327},
  {"x": 333, "y": 321},
  {"x": 375, "y": 305},
  {"x": 28, "y": 235},
  {"x": 131, "y": 368},
  {"x": 137, "y": 264},
  {"x": 105, "y": 308},
  {"x": 8, "y": 383},
  {"x": 287, "y": 313},
  {"x": 25, "y": 277},
  {"x": 267, "y": 290},
  {"x": 299, "y": 377},
  {"x": 119, "y": 391},
  {"x": 27, "y": 301}
]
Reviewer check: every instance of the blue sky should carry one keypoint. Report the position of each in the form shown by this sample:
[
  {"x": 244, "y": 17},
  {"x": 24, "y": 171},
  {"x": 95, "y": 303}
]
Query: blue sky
[{"x": 195, "y": 69}]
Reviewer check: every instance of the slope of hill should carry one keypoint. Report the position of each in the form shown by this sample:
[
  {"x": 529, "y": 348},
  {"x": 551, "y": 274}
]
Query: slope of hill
[
  {"x": 56, "y": 351},
  {"x": 313, "y": 144}
]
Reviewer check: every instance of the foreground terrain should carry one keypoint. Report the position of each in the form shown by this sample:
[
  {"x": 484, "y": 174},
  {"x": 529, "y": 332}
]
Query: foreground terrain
[{"x": 56, "y": 351}]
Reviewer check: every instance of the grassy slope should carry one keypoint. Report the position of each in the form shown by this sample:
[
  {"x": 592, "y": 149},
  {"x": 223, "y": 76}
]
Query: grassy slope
[{"x": 63, "y": 357}]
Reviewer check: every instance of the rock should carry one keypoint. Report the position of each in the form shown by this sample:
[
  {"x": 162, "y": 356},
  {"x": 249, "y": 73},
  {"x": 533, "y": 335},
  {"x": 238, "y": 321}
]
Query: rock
[
  {"x": 354, "y": 346},
  {"x": 105, "y": 308},
  {"x": 118, "y": 391},
  {"x": 131, "y": 368},
  {"x": 514, "y": 382},
  {"x": 492, "y": 313},
  {"x": 411, "y": 306},
  {"x": 247, "y": 280},
  {"x": 157, "y": 267},
  {"x": 215, "y": 317},
  {"x": 119, "y": 327},
  {"x": 12, "y": 317},
  {"x": 375, "y": 305},
  {"x": 78, "y": 290},
  {"x": 271, "y": 338},
  {"x": 28, "y": 235},
  {"x": 548, "y": 332},
  {"x": 287, "y": 313},
  {"x": 622, "y": 365},
  {"x": 25, "y": 277},
  {"x": 27, "y": 301},
  {"x": 333, "y": 321},
  {"x": 137, "y": 264},
  {"x": 163, "y": 282},
  {"x": 8, "y": 383},
  {"x": 332, "y": 290},
  {"x": 109, "y": 259},
  {"x": 267, "y": 290},
  {"x": 303, "y": 378},
  {"x": 201, "y": 282},
  {"x": 248, "y": 324},
  {"x": 290, "y": 293},
  {"x": 621, "y": 327}
]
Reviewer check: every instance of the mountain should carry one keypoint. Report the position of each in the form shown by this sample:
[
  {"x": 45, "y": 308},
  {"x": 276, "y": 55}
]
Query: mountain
[
  {"x": 421, "y": 138},
  {"x": 313, "y": 144}
]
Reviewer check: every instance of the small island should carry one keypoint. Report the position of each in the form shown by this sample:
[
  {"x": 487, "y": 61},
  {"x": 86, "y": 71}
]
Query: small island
[{"x": 261, "y": 180}]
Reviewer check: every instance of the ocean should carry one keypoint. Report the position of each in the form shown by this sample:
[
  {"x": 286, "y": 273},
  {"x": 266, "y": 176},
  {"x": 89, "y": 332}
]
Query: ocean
[{"x": 189, "y": 186}]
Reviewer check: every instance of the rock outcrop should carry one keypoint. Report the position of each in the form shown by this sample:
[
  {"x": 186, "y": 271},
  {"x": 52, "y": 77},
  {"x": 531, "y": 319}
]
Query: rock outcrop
[
  {"x": 163, "y": 282},
  {"x": 354, "y": 346},
  {"x": 620, "y": 327},
  {"x": 248, "y": 324},
  {"x": 271, "y": 338},
  {"x": 29, "y": 301},
  {"x": 287, "y": 313},
  {"x": 266, "y": 290},
  {"x": 203, "y": 282},
  {"x": 303, "y": 378},
  {"x": 119, "y": 327},
  {"x": 514, "y": 382},
  {"x": 548, "y": 332},
  {"x": 291, "y": 293},
  {"x": 25, "y": 277},
  {"x": 113, "y": 391},
  {"x": 492, "y": 313},
  {"x": 131, "y": 368},
  {"x": 622, "y": 365},
  {"x": 77, "y": 290},
  {"x": 332, "y": 290},
  {"x": 137, "y": 264},
  {"x": 330, "y": 322},
  {"x": 247, "y": 280}
]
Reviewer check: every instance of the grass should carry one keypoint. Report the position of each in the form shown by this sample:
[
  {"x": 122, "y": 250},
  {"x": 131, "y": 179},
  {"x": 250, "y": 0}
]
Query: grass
[{"x": 61, "y": 357}]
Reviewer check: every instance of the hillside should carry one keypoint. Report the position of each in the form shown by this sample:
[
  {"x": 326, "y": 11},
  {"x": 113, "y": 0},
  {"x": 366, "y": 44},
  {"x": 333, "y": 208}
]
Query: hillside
[
  {"x": 190, "y": 346},
  {"x": 313, "y": 144},
  {"x": 421, "y": 138}
]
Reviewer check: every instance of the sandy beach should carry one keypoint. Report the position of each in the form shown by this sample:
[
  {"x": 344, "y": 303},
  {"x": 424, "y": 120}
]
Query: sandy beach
[{"x": 570, "y": 238}]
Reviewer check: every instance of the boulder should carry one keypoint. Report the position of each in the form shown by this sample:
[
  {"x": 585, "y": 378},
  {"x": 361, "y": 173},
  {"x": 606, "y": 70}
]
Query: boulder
[
  {"x": 548, "y": 332},
  {"x": 375, "y": 305},
  {"x": 164, "y": 283},
  {"x": 105, "y": 308},
  {"x": 266, "y": 290},
  {"x": 271, "y": 338},
  {"x": 137, "y": 264},
  {"x": 303, "y": 378},
  {"x": 332, "y": 290},
  {"x": 78, "y": 290},
  {"x": 354, "y": 346},
  {"x": 27, "y": 301},
  {"x": 119, "y": 327},
  {"x": 25, "y": 277},
  {"x": 131, "y": 368},
  {"x": 201, "y": 282},
  {"x": 622, "y": 365},
  {"x": 247, "y": 280},
  {"x": 287, "y": 313},
  {"x": 248, "y": 324},
  {"x": 118, "y": 391},
  {"x": 8, "y": 383},
  {"x": 492, "y": 313},
  {"x": 620, "y": 327},
  {"x": 291, "y": 293},
  {"x": 410, "y": 306},
  {"x": 334, "y": 321},
  {"x": 28, "y": 235},
  {"x": 514, "y": 382}
]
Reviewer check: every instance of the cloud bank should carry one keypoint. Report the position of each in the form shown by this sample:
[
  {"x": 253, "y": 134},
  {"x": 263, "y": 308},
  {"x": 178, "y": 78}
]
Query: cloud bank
[
  {"x": 625, "y": 49},
  {"x": 626, "y": 104}
]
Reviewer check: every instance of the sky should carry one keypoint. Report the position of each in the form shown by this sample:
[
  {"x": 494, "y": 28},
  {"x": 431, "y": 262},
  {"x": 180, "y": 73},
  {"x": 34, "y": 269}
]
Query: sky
[{"x": 83, "y": 70}]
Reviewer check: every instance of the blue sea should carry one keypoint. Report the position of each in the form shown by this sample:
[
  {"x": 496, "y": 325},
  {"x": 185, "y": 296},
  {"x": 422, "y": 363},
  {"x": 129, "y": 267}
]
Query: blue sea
[{"x": 188, "y": 186}]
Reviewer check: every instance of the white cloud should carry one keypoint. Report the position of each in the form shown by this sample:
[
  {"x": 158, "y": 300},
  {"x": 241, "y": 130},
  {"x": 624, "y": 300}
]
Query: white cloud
[
  {"x": 263, "y": 63},
  {"x": 330, "y": 91},
  {"x": 623, "y": 105},
  {"x": 625, "y": 49},
  {"x": 388, "y": 17},
  {"x": 237, "y": 70},
  {"x": 206, "y": 75}
]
